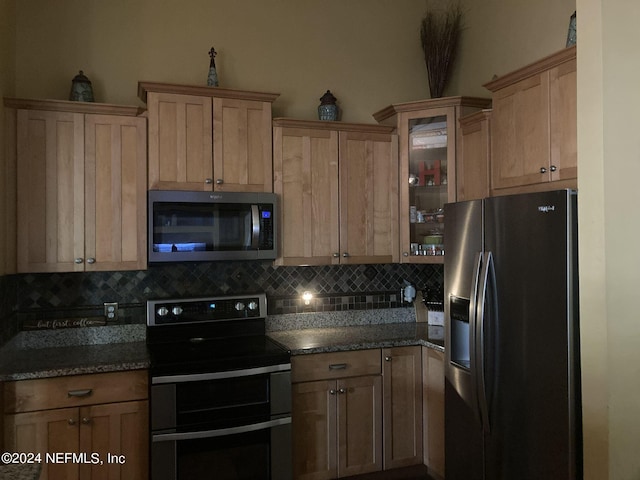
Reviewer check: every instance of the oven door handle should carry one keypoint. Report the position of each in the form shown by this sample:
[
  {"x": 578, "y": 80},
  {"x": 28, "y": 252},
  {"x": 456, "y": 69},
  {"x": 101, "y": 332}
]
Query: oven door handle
[
  {"x": 199, "y": 377},
  {"x": 170, "y": 437}
]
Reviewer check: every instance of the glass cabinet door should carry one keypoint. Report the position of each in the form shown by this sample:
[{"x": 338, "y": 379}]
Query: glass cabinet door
[{"x": 427, "y": 182}]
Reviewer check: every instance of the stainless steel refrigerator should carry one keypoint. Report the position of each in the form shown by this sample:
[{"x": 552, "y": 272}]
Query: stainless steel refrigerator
[{"x": 512, "y": 371}]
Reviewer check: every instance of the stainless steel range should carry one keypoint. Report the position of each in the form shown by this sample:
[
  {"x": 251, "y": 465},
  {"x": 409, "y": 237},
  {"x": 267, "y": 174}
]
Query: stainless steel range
[{"x": 220, "y": 391}]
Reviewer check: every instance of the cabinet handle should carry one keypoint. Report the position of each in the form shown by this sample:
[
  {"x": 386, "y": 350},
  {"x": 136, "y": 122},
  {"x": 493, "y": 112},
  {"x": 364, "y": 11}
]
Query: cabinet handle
[
  {"x": 91, "y": 260},
  {"x": 219, "y": 181},
  {"x": 387, "y": 358},
  {"x": 336, "y": 255},
  {"x": 79, "y": 260},
  {"x": 208, "y": 181},
  {"x": 341, "y": 390},
  {"x": 345, "y": 254},
  {"x": 553, "y": 168},
  {"x": 338, "y": 366},
  {"x": 71, "y": 421},
  {"x": 80, "y": 393},
  {"x": 86, "y": 420},
  {"x": 543, "y": 170},
  {"x": 405, "y": 254},
  {"x": 332, "y": 392}
]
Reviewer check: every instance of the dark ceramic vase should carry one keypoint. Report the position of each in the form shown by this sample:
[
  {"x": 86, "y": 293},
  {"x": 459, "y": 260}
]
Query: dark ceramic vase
[{"x": 328, "y": 110}]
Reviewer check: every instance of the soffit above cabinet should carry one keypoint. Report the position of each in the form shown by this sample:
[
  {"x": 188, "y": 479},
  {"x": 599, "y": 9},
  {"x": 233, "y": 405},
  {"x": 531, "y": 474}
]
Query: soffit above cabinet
[
  {"x": 73, "y": 107},
  {"x": 202, "y": 91}
]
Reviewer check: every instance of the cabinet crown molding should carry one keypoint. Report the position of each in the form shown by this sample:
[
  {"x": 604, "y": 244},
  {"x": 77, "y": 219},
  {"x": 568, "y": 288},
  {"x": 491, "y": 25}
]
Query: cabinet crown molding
[
  {"x": 73, "y": 107},
  {"x": 202, "y": 91},
  {"x": 332, "y": 125},
  {"x": 546, "y": 63},
  {"x": 388, "y": 112}
]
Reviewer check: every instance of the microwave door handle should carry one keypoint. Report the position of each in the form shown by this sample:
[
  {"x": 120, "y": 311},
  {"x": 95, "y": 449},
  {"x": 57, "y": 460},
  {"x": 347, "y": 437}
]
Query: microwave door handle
[{"x": 255, "y": 227}]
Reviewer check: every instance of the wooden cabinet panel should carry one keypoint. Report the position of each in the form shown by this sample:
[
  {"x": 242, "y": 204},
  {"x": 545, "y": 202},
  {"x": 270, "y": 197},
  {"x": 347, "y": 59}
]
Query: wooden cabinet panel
[
  {"x": 433, "y": 385},
  {"x": 327, "y": 366},
  {"x": 563, "y": 121},
  {"x": 359, "y": 425},
  {"x": 475, "y": 152},
  {"x": 402, "y": 374}
]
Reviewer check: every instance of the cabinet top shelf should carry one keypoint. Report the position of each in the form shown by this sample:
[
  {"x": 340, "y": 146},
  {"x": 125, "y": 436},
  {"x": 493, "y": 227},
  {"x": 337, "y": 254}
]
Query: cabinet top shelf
[
  {"x": 73, "y": 107},
  {"x": 202, "y": 91}
]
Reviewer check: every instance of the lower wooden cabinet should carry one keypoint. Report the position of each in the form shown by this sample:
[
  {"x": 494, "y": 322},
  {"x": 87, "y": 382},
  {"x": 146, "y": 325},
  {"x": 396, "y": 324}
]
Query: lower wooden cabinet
[
  {"x": 402, "y": 374},
  {"x": 84, "y": 427},
  {"x": 337, "y": 421},
  {"x": 433, "y": 414}
]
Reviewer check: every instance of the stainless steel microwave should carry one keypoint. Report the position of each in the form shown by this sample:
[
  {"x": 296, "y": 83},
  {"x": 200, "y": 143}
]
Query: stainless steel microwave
[{"x": 210, "y": 226}]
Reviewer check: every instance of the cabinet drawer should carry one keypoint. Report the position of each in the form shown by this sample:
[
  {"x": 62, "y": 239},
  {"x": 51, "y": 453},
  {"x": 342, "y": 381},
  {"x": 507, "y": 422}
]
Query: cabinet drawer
[
  {"x": 324, "y": 366},
  {"x": 75, "y": 390}
]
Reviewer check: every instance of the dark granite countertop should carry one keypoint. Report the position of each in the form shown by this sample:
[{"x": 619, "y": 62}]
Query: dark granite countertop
[
  {"x": 323, "y": 340},
  {"x": 26, "y": 471}
]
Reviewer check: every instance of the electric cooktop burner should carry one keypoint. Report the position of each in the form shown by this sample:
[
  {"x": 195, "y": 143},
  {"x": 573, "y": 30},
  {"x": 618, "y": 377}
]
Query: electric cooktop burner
[{"x": 213, "y": 334}]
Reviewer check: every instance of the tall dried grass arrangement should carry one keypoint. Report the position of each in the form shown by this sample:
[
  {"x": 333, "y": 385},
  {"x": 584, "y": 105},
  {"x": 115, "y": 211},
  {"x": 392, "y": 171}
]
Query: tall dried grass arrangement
[{"x": 439, "y": 33}]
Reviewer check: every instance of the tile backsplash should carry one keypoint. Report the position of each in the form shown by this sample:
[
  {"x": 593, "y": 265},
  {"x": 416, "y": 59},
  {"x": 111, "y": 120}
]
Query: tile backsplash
[{"x": 335, "y": 287}]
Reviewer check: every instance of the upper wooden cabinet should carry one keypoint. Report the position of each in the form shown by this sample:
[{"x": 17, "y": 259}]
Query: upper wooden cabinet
[
  {"x": 81, "y": 186},
  {"x": 473, "y": 162},
  {"x": 208, "y": 138},
  {"x": 533, "y": 126},
  {"x": 429, "y": 142},
  {"x": 338, "y": 187}
]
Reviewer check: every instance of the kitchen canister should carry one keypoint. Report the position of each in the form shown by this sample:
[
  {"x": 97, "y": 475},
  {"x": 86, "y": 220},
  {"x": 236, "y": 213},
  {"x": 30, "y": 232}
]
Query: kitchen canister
[{"x": 328, "y": 110}]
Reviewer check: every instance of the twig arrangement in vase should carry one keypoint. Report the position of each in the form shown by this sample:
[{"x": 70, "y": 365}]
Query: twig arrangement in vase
[{"x": 439, "y": 33}]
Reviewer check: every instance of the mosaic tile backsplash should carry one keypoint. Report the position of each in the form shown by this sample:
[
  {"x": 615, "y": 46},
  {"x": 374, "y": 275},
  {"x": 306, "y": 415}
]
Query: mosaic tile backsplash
[{"x": 336, "y": 287}]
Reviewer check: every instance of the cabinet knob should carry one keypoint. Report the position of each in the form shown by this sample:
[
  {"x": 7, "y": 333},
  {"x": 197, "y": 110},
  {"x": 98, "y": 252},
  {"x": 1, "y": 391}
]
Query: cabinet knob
[
  {"x": 79, "y": 260},
  {"x": 71, "y": 421},
  {"x": 543, "y": 170},
  {"x": 405, "y": 254},
  {"x": 341, "y": 390},
  {"x": 208, "y": 181},
  {"x": 219, "y": 181},
  {"x": 86, "y": 420},
  {"x": 91, "y": 260},
  {"x": 345, "y": 254},
  {"x": 336, "y": 255},
  {"x": 387, "y": 358},
  {"x": 332, "y": 392},
  {"x": 553, "y": 168}
]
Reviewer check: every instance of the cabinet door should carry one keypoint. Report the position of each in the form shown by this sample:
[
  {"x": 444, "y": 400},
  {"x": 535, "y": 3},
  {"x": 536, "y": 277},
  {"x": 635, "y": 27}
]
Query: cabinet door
[
  {"x": 563, "y": 121},
  {"x": 520, "y": 133},
  {"x": 368, "y": 198},
  {"x": 402, "y": 374},
  {"x": 180, "y": 142},
  {"x": 118, "y": 429},
  {"x": 50, "y": 196},
  {"x": 242, "y": 156},
  {"x": 116, "y": 186},
  {"x": 472, "y": 163},
  {"x": 359, "y": 425},
  {"x": 47, "y": 431},
  {"x": 314, "y": 430},
  {"x": 433, "y": 381},
  {"x": 306, "y": 178}
]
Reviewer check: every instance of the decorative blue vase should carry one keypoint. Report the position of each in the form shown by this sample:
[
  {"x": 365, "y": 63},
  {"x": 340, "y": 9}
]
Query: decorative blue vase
[
  {"x": 81, "y": 90},
  {"x": 328, "y": 110}
]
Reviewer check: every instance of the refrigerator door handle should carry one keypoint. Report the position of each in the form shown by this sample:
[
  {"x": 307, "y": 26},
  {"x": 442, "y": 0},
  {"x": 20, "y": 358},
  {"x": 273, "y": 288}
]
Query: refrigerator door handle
[
  {"x": 486, "y": 277},
  {"x": 473, "y": 340}
]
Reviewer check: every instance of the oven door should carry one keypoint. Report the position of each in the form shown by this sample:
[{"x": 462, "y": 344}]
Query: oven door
[{"x": 236, "y": 424}]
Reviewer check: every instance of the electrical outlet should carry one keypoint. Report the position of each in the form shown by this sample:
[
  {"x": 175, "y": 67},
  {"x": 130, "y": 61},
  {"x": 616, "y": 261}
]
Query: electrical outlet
[{"x": 111, "y": 311}]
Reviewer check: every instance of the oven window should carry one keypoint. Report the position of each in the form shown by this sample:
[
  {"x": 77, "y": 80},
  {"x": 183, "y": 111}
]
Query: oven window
[
  {"x": 222, "y": 403},
  {"x": 235, "y": 457}
]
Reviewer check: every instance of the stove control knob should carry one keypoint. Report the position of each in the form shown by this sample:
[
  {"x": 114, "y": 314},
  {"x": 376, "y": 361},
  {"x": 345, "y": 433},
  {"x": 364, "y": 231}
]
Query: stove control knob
[
  {"x": 239, "y": 306},
  {"x": 176, "y": 310},
  {"x": 163, "y": 311},
  {"x": 253, "y": 305}
]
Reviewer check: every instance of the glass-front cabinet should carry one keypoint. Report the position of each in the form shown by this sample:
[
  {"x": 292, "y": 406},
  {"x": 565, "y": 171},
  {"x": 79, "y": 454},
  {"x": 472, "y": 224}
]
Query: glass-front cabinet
[{"x": 429, "y": 140}]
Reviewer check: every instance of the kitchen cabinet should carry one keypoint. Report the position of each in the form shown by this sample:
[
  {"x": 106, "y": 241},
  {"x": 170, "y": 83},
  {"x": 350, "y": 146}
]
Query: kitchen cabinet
[
  {"x": 429, "y": 142},
  {"x": 338, "y": 187},
  {"x": 337, "y": 414},
  {"x": 533, "y": 126},
  {"x": 473, "y": 163},
  {"x": 433, "y": 410},
  {"x": 402, "y": 417},
  {"x": 208, "y": 138},
  {"x": 81, "y": 186},
  {"x": 101, "y": 418}
]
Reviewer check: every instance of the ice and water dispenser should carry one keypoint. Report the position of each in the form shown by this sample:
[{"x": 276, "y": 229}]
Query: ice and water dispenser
[{"x": 459, "y": 333}]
